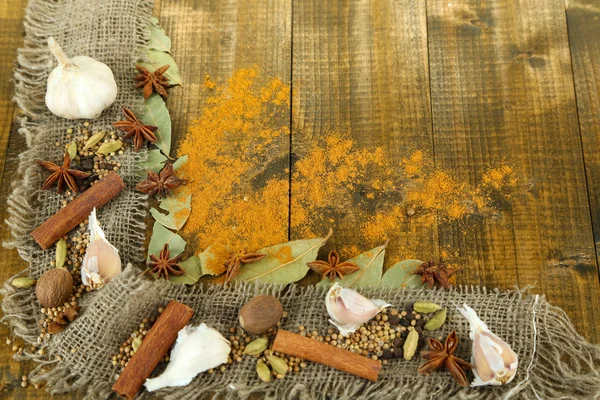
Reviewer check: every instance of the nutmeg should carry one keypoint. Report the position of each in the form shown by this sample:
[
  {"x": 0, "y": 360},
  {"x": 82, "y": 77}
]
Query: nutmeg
[
  {"x": 54, "y": 287},
  {"x": 260, "y": 313}
]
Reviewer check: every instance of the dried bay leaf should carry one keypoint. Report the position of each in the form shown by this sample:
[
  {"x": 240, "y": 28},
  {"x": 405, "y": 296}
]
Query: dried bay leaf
[
  {"x": 156, "y": 114},
  {"x": 72, "y": 150},
  {"x": 181, "y": 161},
  {"x": 158, "y": 37},
  {"x": 402, "y": 274},
  {"x": 110, "y": 147},
  {"x": 156, "y": 59},
  {"x": 210, "y": 263},
  {"x": 193, "y": 272},
  {"x": 370, "y": 265},
  {"x": 155, "y": 162},
  {"x": 160, "y": 236},
  {"x": 285, "y": 263},
  {"x": 178, "y": 207}
]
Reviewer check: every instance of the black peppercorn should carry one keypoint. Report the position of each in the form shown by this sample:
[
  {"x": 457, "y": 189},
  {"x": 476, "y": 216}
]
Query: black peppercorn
[
  {"x": 410, "y": 317},
  {"x": 393, "y": 320},
  {"x": 387, "y": 354},
  {"x": 408, "y": 307},
  {"x": 398, "y": 352},
  {"x": 398, "y": 342}
]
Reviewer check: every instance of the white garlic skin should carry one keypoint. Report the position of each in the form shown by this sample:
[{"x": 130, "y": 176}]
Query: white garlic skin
[
  {"x": 101, "y": 262},
  {"x": 80, "y": 87},
  {"x": 348, "y": 309},
  {"x": 196, "y": 350},
  {"x": 495, "y": 362}
]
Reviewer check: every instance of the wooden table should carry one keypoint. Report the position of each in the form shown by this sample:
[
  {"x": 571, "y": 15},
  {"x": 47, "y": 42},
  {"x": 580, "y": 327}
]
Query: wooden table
[{"x": 466, "y": 81}]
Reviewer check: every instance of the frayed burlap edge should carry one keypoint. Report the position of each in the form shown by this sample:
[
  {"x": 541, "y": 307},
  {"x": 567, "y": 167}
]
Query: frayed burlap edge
[{"x": 20, "y": 308}]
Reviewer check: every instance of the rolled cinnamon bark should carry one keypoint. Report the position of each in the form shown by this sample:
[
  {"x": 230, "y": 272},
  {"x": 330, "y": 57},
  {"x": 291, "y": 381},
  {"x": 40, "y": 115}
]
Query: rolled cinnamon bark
[
  {"x": 78, "y": 210},
  {"x": 299, "y": 346},
  {"x": 155, "y": 345}
]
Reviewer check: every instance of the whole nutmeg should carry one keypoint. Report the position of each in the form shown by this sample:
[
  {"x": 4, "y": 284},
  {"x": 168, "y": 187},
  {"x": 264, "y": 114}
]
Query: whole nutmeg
[
  {"x": 260, "y": 313},
  {"x": 54, "y": 287}
]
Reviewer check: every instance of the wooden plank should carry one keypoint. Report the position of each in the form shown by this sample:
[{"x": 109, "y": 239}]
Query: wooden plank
[
  {"x": 362, "y": 67},
  {"x": 502, "y": 89},
  {"x": 583, "y": 21}
]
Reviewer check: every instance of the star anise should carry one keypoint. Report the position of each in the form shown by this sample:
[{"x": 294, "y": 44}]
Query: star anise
[
  {"x": 64, "y": 175},
  {"x": 134, "y": 127},
  {"x": 435, "y": 274},
  {"x": 333, "y": 267},
  {"x": 153, "y": 81},
  {"x": 442, "y": 355},
  {"x": 165, "y": 265},
  {"x": 161, "y": 183},
  {"x": 235, "y": 263}
]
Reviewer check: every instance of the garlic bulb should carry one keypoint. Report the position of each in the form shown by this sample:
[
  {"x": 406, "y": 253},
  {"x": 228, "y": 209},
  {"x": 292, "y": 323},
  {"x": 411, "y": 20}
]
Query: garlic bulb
[
  {"x": 80, "y": 87},
  {"x": 196, "y": 350},
  {"x": 348, "y": 309},
  {"x": 495, "y": 362},
  {"x": 101, "y": 262}
]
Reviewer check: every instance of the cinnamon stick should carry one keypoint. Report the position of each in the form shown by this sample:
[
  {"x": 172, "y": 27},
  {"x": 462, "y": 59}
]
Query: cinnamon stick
[
  {"x": 155, "y": 345},
  {"x": 78, "y": 210},
  {"x": 299, "y": 346}
]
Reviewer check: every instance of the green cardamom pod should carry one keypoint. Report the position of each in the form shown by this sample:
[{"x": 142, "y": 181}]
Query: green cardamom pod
[
  {"x": 410, "y": 345},
  {"x": 72, "y": 150},
  {"x": 61, "y": 253},
  {"x": 425, "y": 307},
  {"x": 109, "y": 147},
  {"x": 263, "y": 371},
  {"x": 136, "y": 343},
  {"x": 278, "y": 364},
  {"x": 22, "y": 283},
  {"x": 436, "y": 321},
  {"x": 93, "y": 140},
  {"x": 257, "y": 346}
]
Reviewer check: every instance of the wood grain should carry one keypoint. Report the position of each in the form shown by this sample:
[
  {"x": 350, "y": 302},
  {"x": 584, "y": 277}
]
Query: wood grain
[
  {"x": 362, "y": 67},
  {"x": 502, "y": 89},
  {"x": 583, "y": 20}
]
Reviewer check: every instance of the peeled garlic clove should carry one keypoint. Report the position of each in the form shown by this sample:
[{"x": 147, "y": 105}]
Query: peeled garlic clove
[
  {"x": 495, "y": 362},
  {"x": 101, "y": 262},
  {"x": 196, "y": 350},
  {"x": 348, "y": 309},
  {"x": 80, "y": 87}
]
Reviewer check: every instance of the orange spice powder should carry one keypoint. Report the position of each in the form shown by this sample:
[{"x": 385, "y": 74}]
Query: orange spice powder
[{"x": 238, "y": 169}]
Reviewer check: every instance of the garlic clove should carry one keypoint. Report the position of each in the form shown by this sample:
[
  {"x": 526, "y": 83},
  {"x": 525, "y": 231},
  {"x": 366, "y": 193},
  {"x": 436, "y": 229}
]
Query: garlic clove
[
  {"x": 80, "y": 87},
  {"x": 348, "y": 309},
  {"x": 101, "y": 262},
  {"x": 495, "y": 362},
  {"x": 196, "y": 350}
]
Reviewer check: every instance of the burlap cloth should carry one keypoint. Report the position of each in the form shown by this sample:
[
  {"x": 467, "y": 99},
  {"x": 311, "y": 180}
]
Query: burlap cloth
[{"x": 555, "y": 362}]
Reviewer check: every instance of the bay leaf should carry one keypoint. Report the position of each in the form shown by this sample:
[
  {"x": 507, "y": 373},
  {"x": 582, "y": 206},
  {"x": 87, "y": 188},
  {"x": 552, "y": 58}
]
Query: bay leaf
[
  {"x": 284, "y": 263},
  {"x": 156, "y": 59},
  {"x": 178, "y": 207},
  {"x": 181, "y": 161},
  {"x": 156, "y": 114},
  {"x": 158, "y": 37},
  {"x": 72, "y": 150},
  {"x": 193, "y": 272},
  {"x": 402, "y": 274},
  {"x": 155, "y": 162},
  {"x": 110, "y": 147},
  {"x": 369, "y": 274},
  {"x": 210, "y": 263},
  {"x": 160, "y": 236}
]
